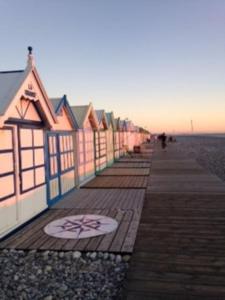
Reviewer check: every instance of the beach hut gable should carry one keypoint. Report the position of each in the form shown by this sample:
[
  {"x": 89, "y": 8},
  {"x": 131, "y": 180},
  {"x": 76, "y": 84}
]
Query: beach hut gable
[
  {"x": 102, "y": 119},
  {"x": 85, "y": 116},
  {"x": 26, "y": 101},
  {"x": 91, "y": 118},
  {"x": 63, "y": 111},
  {"x": 111, "y": 121}
]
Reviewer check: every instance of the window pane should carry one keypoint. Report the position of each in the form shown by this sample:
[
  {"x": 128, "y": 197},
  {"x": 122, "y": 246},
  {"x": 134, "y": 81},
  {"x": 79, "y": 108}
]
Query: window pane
[
  {"x": 39, "y": 157},
  {"x": 65, "y": 161},
  {"x": 56, "y": 164},
  {"x": 6, "y": 139},
  {"x": 52, "y": 167},
  {"x": 61, "y": 146},
  {"x": 6, "y": 186},
  {"x": 38, "y": 137},
  {"x": 62, "y": 162},
  {"x": 50, "y": 146},
  {"x": 39, "y": 175},
  {"x": 26, "y": 158},
  {"x": 6, "y": 163},
  {"x": 26, "y": 137},
  {"x": 54, "y": 150},
  {"x": 27, "y": 179},
  {"x": 72, "y": 159},
  {"x": 71, "y": 142}
]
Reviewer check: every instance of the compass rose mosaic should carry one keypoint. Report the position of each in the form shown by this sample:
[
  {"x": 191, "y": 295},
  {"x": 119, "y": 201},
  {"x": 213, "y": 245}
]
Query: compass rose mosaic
[{"x": 80, "y": 226}]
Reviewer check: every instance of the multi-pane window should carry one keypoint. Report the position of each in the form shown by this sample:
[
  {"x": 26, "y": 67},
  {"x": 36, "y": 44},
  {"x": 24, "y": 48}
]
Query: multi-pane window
[
  {"x": 116, "y": 140},
  {"x": 60, "y": 147},
  {"x": 97, "y": 146},
  {"x": 53, "y": 152},
  {"x": 32, "y": 163},
  {"x": 7, "y": 169},
  {"x": 102, "y": 143},
  {"x": 89, "y": 145},
  {"x": 100, "y": 149},
  {"x": 81, "y": 147},
  {"x": 66, "y": 152}
]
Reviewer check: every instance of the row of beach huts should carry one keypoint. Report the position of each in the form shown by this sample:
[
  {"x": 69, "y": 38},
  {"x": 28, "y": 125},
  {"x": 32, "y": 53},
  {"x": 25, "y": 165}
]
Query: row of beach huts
[{"x": 48, "y": 148}]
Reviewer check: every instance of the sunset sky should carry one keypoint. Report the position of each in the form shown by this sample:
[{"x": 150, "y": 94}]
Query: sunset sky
[{"x": 159, "y": 63}]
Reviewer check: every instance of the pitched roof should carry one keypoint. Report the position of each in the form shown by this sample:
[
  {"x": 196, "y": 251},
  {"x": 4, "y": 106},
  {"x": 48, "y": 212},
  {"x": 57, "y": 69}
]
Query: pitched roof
[
  {"x": 121, "y": 124},
  {"x": 109, "y": 117},
  {"x": 56, "y": 103},
  {"x": 101, "y": 116},
  {"x": 80, "y": 113},
  {"x": 111, "y": 120},
  {"x": 10, "y": 82},
  {"x": 99, "y": 113}
]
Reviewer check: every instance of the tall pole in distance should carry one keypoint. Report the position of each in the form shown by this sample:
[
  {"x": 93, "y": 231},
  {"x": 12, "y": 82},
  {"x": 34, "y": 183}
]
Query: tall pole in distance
[{"x": 192, "y": 127}]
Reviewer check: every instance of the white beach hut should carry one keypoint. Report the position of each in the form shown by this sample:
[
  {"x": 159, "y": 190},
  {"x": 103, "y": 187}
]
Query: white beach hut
[
  {"x": 116, "y": 138},
  {"x": 110, "y": 138},
  {"x": 25, "y": 115},
  {"x": 101, "y": 141},
  {"x": 87, "y": 123},
  {"x": 61, "y": 151}
]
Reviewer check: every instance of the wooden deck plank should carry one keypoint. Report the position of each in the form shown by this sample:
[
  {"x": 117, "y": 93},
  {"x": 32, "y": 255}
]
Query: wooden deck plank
[
  {"x": 105, "y": 243},
  {"x": 94, "y": 242},
  {"x": 125, "y": 172},
  {"x": 100, "y": 198},
  {"x": 134, "y": 160},
  {"x": 29, "y": 232},
  {"x": 180, "y": 246},
  {"x": 131, "y": 165},
  {"x": 118, "y": 241},
  {"x": 130, "y": 238},
  {"x": 118, "y": 182}
]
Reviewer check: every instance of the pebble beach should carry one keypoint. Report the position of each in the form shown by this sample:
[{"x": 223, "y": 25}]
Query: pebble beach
[
  {"x": 209, "y": 151},
  {"x": 52, "y": 275}
]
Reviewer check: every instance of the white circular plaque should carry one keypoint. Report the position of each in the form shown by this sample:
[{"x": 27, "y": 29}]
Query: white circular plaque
[{"x": 80, "y": 226}]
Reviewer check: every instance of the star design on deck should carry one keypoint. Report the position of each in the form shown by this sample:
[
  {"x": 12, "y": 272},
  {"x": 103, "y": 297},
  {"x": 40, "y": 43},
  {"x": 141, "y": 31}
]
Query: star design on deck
[{"x": 84, "y": 224}]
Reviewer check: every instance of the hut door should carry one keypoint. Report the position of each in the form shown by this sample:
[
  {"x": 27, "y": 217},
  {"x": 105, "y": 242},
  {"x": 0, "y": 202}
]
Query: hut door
[{"x": 61, "y": 169}]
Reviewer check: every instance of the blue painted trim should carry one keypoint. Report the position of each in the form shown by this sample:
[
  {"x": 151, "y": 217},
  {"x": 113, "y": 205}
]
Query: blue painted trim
[
  {"x": 57, "y": 199},
  {"x": 64, "y": 102},
  {"x": 57, "y": 135},
  {"x": 13, "y": 173}
]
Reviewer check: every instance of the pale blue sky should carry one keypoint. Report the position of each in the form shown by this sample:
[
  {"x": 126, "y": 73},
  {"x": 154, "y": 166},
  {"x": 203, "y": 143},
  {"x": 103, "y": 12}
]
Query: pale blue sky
[{"x": 157, "y": 62}]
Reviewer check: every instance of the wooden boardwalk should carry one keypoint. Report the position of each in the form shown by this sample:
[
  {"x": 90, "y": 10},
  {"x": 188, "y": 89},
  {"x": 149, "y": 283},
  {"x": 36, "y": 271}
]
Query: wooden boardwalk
[
  {"x": 134, "y": 160},
  {"x": 125, "y": 172},
  {"x": 119, "y": 197},
  {"x": 103, "y": 199},
  {"x": 119, "y": 182},
  {"x": 120, "y": 240},
  {"x": 131, "y": 164},
  {"x": 180, "y": 247}
]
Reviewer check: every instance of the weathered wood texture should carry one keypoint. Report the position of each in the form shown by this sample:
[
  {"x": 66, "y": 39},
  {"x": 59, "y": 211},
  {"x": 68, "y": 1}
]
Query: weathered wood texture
[
  {"x": 180, "y": 247},
  {"x": 125, "y": 172},
  {"x": 131, "y": 165},
  {"x": 121, "y": 240},
  {"x": 123, "y": 205},
  {"x": 133, "y": 182},
  {"x": 103, "y": 198},
  {"x": 134, "y": 160}
]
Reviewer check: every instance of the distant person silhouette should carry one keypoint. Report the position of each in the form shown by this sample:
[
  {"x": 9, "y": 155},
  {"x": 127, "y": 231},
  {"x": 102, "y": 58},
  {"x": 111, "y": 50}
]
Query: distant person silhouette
[{"x": 162, "y": 137}]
